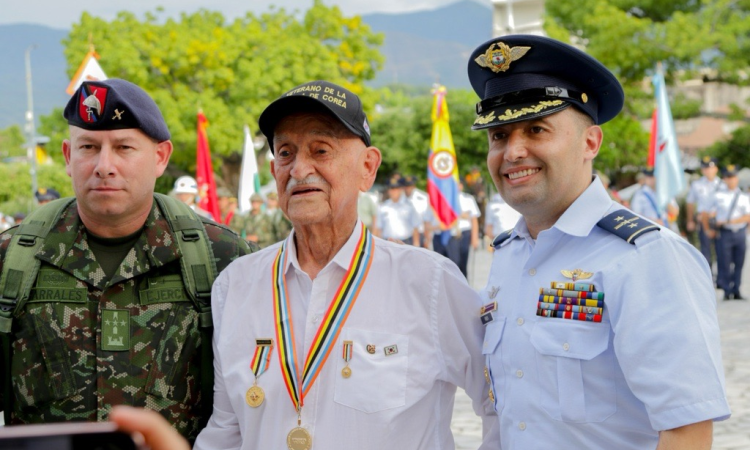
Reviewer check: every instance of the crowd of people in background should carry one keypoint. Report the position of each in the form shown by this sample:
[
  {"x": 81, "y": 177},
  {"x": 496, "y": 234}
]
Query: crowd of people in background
[{"x": 400, "y": 211}]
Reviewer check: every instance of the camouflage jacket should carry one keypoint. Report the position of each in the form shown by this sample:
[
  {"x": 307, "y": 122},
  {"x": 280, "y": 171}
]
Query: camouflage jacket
[
  {"x": 65, "y": 364},
  {"x": 280, "y": 225},
  {"x": 258, "y": 225}
]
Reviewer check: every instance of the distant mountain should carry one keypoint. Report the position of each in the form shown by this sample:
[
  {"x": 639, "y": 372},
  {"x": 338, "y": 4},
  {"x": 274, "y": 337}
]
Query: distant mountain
[
  {"x": 425, "y": 47},
  {"x": 47, "y": 71},
  {"x": 420, "y": 48}
]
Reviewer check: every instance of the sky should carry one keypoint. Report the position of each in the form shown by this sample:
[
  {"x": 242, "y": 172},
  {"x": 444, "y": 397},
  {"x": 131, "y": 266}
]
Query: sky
[{"x": 62, "y": 14}]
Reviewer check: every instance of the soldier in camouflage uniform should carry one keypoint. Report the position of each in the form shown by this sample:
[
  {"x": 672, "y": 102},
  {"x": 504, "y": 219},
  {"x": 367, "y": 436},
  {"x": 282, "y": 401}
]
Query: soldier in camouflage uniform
[
  {"x": 280, "y": 225},
  {"x": 108, "y": 320},
  {"x": 255, "y": 226}
]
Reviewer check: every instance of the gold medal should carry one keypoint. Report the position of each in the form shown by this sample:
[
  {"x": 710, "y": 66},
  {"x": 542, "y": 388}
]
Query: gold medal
[
  {"x": 255, "y": 396},
  {"x": 346, "y": 372},
  {"x": 299, "y": 439}
]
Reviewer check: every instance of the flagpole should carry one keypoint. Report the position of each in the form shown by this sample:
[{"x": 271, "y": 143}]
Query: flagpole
[{"x": 30, "y": 125}]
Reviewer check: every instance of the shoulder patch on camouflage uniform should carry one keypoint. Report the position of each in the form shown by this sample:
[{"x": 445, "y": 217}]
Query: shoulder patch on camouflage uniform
[
  {"x": 627, "y": 225},
  {"x": 502, "y": 237}
]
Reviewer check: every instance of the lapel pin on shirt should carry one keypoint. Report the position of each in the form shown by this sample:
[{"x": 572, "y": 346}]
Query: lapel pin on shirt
[
  {"x": 390, "y": 350},
  {"x": 371, "y": 349}
]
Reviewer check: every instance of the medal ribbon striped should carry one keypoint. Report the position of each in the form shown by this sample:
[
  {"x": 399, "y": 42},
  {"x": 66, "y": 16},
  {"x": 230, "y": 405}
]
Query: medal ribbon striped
[
  {"x": 298, "y": 384},
  {"x": 347, "y": 355},
  {"x": 261, "y": 360}
]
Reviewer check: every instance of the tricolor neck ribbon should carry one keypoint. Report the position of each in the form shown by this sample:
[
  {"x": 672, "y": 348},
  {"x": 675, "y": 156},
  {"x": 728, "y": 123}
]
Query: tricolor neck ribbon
[
  {"x": 262, "y": 357},
  {"x": 299, "y": 383}
]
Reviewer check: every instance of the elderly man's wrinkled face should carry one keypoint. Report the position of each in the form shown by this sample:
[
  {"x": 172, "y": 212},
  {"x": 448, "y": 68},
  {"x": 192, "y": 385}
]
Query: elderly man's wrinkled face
[{"x": 320, "y": 167}]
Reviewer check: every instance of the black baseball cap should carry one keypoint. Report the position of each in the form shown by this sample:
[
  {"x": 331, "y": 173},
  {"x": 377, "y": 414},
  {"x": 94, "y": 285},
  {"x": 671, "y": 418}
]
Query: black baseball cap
[
  {"x": 521, "y": 77},
  {"x": 341, "y": 102},
  {"x": 115, "y": 104}
]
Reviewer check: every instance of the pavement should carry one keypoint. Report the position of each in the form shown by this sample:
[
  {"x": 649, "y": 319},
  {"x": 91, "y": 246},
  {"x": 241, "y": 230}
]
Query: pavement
[{"x": 731, "y": 434}]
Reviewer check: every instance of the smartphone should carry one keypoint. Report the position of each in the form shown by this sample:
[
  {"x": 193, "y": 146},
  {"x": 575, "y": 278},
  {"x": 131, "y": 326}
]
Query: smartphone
[{"x": 68, "y": 436}]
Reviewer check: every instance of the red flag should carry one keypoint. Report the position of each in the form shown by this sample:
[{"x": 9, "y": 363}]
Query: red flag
[
  {"x": 651, "y": 161},
  {"x": 205, "y": 172}
]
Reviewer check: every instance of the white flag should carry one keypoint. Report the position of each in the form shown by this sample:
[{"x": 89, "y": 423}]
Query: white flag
[
  {"x": 89, "y": 70},
  {"x": 670, "y": 179},
  {"x": 249, "y": 179}
]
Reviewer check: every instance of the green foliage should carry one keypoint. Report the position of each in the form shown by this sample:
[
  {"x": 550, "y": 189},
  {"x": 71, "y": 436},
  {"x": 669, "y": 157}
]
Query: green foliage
[
  {"x": 402, "y": 133},
  {"x": 625, "y": 144},
  {"x": 733, "y": 151},
  {"x": 231, "y": 70},
  {"x": 736, "y": 112},
  {"x": 15, "y": 185},
  {"x": 11, "y": 142},
  {"x": 55, "y": 127}
]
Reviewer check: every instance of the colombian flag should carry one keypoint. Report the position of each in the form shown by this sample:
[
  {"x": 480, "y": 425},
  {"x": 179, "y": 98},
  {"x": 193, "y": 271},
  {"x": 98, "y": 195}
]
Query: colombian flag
[{"x": 442, "y": 168}]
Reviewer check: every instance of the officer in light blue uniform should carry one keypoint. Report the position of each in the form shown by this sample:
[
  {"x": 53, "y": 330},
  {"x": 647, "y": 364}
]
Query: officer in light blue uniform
[
  {"x": 731, "y": 210},
  {"x": 594, "y": 338},
  {"x": 699, "y": 198},
  {"x": 644, "y": 202}
]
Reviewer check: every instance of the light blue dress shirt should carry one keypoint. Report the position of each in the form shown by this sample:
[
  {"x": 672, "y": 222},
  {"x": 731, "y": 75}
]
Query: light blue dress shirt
[
  {"x": 653, "y": 363},
  {"x": 644, "y": 204}
]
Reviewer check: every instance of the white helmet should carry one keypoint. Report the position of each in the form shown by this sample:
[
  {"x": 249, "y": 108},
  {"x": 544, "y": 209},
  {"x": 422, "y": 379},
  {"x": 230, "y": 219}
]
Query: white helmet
[{"x": 186, "y": 185}]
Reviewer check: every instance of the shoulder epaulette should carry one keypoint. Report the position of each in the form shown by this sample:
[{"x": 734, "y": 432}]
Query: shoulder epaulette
[
  {"x": 502, "y": 237},
  {"x": 627, "y": 225}
]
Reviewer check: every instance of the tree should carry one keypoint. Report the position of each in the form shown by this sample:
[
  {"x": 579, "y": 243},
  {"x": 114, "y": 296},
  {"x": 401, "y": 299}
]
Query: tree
[
  {"x": 631, "y": 36},
  {"x": 11, "y": 142},
  {"x": 402, "y": 132},
  {"x": 231, "y": 70}
]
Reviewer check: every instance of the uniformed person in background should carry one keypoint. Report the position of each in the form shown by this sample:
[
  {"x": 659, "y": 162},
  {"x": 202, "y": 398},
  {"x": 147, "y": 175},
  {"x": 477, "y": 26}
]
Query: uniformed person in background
[
  {"x": 46, "y": 195},
  {"x": 280, "y": 225},
  {"x": 730, "y": 210},
  {"x": 600, "y": 327},
  {"x": 186, "y": 190},
  {"x": 421, "y": 202},
  {"x": 255, "y": 226},
  {"x": 500, "y": 217},
  {"x": 227, "y": 205},
  {"x": 111, "y": 317},
  {"x": 397, "y": 217},
  {"x": 700, "y": 196},
  {"x": 644, "y": 202}
]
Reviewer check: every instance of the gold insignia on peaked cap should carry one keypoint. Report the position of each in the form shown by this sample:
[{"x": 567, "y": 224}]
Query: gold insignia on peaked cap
[
  {"x": 731, "y": 168},
  {"x": 706, "y": 159},
  {"x": 584, "y": 98},
  {"x": 576, "y": 274},
  {"x": 499, "y": 56}
]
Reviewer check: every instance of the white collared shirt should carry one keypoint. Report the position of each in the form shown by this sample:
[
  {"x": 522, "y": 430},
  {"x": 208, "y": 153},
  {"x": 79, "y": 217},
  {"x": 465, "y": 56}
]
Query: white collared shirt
[
  {"x": 468, "y": 205},
  {"x": 653, "y": 363},
  {"x": 702, "y": 191},
  {"x": 398, "y": 219},
  {"x": 413, "y": 299},
  {"x": 722, "y": 204}
]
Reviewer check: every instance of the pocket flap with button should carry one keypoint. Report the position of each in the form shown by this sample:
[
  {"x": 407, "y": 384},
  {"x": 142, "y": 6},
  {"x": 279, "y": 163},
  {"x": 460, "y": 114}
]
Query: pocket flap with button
[
  {"x": 379, "y": 366},
  {"x": 570, "y": 338},
  {"x": 493, "y": 333}
]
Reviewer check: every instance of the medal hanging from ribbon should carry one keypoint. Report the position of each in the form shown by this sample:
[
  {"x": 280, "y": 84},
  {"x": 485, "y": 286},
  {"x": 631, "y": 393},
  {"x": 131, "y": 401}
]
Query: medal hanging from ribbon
[
  {"x": 297, "y": 382},
  {"x": 259, "y": 364},
  {"x": 346, "y": 372}
]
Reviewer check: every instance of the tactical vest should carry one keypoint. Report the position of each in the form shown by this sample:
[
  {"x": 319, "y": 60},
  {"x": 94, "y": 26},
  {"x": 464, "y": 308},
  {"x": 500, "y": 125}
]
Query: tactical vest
[{"x": 45, "y": 298}]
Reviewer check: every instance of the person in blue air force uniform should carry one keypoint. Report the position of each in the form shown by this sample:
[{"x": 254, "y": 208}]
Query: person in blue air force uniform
[{"x": 600, "y": 326}]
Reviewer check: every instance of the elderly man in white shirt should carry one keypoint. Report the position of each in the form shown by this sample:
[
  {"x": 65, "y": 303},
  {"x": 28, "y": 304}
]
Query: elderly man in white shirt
[{"x": 334, "y": 339}]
